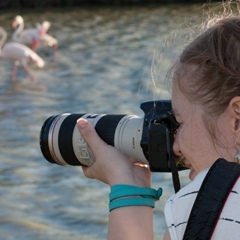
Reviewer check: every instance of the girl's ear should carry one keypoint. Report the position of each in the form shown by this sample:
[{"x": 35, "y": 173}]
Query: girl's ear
[{"x": 234, "y": 108}]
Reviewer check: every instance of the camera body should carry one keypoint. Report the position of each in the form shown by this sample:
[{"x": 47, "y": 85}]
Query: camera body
[
  {"x": 159, "y": 128},
  {"x": 147, "y": 139}
]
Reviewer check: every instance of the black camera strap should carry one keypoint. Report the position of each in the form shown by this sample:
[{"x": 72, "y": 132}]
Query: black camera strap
[
  {"x": 210, "y": 200},
  {"x": 175, "y": 175}
]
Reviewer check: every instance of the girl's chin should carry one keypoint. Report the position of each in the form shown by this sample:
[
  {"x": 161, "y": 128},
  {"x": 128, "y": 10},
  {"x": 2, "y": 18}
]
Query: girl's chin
[{"x": 192, "y": 174}]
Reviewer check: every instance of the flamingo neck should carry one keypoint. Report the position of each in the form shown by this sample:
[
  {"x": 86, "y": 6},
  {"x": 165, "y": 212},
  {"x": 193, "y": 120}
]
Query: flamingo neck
[
  {"x": 3, "y": 38},
  {"x": 17, "y": 33}
]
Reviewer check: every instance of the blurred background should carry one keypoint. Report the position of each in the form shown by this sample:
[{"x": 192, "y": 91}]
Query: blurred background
[
  {"x": 109, "y": 60},
  {"x": 71, "y": 3}
]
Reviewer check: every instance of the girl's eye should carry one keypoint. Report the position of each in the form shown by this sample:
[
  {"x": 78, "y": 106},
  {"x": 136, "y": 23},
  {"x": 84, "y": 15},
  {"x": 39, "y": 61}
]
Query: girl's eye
[
  {"x": 174, "y": 123},
  {"x": 176, "y": 126}
]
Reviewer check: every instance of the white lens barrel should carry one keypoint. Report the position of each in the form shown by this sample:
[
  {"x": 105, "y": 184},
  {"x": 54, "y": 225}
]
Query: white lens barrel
[
  {"x": 128, "y": 137},
  {"x": 67, "y": 146}
]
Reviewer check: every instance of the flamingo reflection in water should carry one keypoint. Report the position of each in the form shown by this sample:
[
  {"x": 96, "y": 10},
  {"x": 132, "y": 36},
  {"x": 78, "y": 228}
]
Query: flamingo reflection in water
[
  {"x": 19, "y": 54},
  {"x": 33, "y": 37}
]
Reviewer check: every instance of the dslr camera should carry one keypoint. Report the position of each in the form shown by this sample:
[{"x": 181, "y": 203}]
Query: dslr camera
[{"x": 147, "y": 139}]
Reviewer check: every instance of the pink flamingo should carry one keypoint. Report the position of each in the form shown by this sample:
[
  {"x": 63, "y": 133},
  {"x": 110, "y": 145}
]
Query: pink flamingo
[
  {"x": 50, "y": 41},
  {"x": 20, "y": 54},
  {"x": 33, "y": 37}
]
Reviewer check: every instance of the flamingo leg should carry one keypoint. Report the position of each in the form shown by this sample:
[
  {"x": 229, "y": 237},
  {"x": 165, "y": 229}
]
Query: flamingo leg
[
  {"x": 55, "y": 48},
  {"x": 27, "y": 69},
  {"x": 14, "y": 72},
  {"x": 35, "y": 44}
]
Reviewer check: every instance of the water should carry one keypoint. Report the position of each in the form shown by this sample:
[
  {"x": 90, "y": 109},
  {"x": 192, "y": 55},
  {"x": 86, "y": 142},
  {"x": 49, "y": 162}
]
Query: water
[{"x": 103, "y": 66}]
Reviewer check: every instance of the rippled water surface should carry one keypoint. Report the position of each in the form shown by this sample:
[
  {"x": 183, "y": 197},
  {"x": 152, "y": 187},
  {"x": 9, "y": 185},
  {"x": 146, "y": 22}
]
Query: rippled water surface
[{"x": 103, "y": 65}]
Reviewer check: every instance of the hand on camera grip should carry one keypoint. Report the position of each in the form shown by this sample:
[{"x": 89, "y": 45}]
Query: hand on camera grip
[{"x": 111, "y": 165}]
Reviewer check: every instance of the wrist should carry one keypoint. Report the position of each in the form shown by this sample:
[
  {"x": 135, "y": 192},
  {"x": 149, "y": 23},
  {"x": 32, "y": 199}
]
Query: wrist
[
  {"x": 129, "y": 181},
  {"x": 139, "y": 179},
  {"x": 123, "y": 195}
]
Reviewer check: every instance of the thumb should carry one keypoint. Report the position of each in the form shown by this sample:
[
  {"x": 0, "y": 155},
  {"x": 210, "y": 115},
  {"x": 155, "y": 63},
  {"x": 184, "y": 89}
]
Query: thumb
[{"x": 90, "y": 135}]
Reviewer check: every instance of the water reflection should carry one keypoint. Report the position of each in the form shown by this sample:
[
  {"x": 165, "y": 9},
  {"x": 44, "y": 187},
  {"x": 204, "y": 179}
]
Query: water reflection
[{"x": 103, "y": 66}]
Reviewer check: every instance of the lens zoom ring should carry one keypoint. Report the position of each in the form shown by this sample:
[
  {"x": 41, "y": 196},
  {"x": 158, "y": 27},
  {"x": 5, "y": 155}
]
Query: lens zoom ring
[{"x": 106, "y": 127}]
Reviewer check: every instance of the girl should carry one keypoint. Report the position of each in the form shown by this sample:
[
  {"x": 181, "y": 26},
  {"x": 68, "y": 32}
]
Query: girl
[{"x": 206, "y": 104}]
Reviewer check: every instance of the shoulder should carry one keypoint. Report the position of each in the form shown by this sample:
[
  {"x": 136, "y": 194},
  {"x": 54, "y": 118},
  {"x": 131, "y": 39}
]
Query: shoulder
[{"x": 178, "y": 207}]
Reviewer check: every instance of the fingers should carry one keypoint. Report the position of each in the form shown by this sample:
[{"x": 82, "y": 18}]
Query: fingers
[
  {"x": 89, "y": 134},
  {"x": 87, "y": 172},
  {"x": 111, "y": 165}
]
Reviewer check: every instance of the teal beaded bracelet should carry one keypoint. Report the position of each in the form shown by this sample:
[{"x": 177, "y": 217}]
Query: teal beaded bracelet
[{"x": 126, "y": 195}]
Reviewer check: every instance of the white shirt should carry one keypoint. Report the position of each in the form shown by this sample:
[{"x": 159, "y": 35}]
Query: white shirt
[{"x": 178, "y": 208}]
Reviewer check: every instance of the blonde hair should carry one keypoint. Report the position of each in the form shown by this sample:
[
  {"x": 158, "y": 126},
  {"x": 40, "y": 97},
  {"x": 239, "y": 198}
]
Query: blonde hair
[
  {"x": 208, "y": 69},
  {"x": 216, "y": 57}
]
